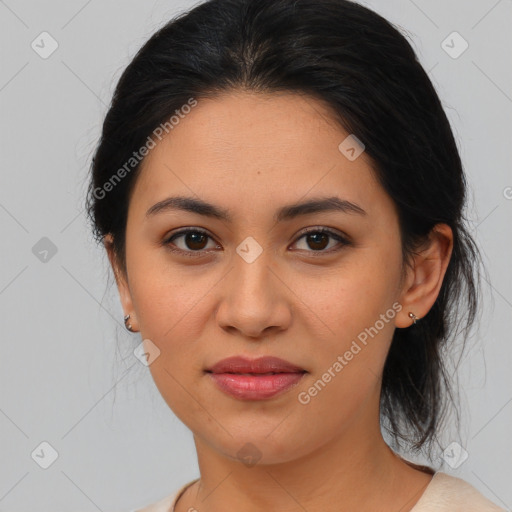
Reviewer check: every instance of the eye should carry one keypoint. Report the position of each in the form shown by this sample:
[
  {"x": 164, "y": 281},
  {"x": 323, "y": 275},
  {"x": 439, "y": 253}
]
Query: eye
[
  {"x": 193, "y": 241},
  {"x": 318, "y": 239}
]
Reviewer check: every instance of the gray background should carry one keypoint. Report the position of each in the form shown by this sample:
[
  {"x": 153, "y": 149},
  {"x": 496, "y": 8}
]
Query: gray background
[{"x": 63, "y": 379}]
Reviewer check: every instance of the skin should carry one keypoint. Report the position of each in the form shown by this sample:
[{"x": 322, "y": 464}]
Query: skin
[{"x": 252, "y": 153}]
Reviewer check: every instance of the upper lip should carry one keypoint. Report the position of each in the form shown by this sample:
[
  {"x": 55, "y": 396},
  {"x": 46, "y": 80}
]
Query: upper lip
[{"x": 267, "y": 364}]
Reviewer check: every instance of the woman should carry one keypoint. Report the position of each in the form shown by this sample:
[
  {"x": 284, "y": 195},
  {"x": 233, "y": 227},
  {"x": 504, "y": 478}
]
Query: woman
[{"x": 282, "y": 202}]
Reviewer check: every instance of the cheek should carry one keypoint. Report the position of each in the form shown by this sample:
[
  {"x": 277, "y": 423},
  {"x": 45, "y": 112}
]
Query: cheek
[
  {"x": 359, "y": 306},
  {"x": 172, "y": 316},
  {"x": 166, "y": 301},
  {"x": 349, "y": 363},
  {"x": 352, "y": 301}
]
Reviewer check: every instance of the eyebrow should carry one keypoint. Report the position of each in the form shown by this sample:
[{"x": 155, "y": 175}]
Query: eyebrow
[{"x": 200, "y": 207}]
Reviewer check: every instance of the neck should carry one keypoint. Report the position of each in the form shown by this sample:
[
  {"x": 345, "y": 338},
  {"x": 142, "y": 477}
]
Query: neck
[{"x": 353, "y": 471}]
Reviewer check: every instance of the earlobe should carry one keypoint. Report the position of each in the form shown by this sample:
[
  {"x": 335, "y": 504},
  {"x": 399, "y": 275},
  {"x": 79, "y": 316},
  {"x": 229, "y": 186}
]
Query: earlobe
[{"x": 426, "y": 276}]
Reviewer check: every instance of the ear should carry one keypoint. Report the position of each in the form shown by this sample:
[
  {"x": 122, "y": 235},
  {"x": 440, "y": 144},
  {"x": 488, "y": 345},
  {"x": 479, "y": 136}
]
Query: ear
[
  {"x": 425, "y": 276},
  {"x": 121, "y": 281}
]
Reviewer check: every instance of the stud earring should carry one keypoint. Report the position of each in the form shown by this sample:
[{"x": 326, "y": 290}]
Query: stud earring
[
  {"x": 414, "y": 317},
  {"x": 126, "y": 324}
]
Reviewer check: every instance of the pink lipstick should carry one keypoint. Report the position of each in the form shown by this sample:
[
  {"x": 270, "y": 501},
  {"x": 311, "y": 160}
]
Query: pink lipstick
[{"x": 255, "y": 379}]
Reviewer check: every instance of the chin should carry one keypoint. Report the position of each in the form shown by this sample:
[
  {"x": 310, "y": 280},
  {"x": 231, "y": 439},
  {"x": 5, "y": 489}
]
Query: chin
[{"x": 258, "y": 447}]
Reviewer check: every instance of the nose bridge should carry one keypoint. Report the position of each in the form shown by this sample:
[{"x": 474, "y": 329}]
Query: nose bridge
[{"x": 251, "y": 275}]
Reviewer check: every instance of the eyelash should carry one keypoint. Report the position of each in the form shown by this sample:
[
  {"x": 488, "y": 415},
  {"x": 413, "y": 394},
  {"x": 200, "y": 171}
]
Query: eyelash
[{"x": 194, "y": 254}]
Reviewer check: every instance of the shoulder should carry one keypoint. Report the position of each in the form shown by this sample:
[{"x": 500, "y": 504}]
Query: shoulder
[
  {"x": 450, "y": 493},
  {"x": 167, "y": 503}
]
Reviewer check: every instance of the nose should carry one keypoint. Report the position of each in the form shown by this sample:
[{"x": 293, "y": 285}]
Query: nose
[{"x": 254, "y": 300}]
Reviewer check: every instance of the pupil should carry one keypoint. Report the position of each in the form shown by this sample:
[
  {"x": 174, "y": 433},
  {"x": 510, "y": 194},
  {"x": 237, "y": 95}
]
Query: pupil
[
  {"x": 316, "y": 237},
  {"x": 192, "y": 238}
]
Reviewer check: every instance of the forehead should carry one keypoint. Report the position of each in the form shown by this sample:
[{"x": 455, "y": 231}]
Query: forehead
[{"x": 253, "y": 149}]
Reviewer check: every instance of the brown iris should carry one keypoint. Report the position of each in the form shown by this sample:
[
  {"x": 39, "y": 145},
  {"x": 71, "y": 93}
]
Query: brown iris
[{"x": 318, "y": 240}]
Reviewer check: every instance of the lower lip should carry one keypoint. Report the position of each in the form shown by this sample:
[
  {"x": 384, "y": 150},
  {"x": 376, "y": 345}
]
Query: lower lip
[{"x": 255, "y": 387}]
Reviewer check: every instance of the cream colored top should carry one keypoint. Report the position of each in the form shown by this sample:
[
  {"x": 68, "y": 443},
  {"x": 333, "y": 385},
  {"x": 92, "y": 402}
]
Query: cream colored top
[{"x": 444, "y": 493}]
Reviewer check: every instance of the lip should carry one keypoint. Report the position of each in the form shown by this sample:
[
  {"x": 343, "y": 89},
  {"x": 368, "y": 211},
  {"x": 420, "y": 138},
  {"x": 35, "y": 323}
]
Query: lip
[
  {"x": 255, "y": 379},
  {"x": 266, "y": 364}
]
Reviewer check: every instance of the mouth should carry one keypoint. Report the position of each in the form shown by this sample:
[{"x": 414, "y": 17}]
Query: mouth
[{"x": 257, "y": 379}]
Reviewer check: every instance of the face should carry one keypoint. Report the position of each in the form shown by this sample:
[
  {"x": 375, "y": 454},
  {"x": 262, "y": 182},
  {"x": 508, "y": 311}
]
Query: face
[{"x": 264, "y": 280}]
